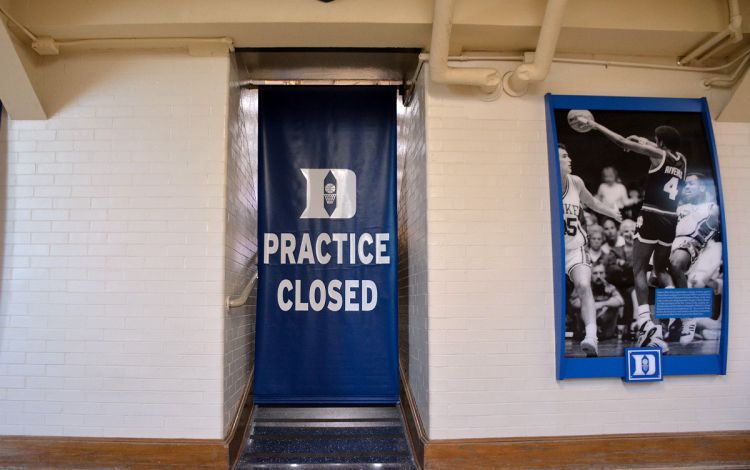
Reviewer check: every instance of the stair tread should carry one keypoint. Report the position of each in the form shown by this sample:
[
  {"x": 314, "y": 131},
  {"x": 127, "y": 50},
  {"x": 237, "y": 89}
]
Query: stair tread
[
  {"x": 327, "y": 437},
  {"x": 327, "y": 412},
  {"x": 324, "y": 466},
  {"x": 328, "y": 445},
  {"x": 344, "y": 431},
  {"x": 326, "y": 459}
]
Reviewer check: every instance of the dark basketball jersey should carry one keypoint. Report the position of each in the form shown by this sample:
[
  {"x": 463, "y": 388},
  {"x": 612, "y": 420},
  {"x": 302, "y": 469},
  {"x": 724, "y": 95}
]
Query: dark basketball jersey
[{"x": 664, "y": 183}]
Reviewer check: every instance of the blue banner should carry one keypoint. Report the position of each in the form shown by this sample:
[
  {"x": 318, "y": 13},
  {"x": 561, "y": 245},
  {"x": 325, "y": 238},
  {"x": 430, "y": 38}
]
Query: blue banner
[{"x": 327, "y": 290}]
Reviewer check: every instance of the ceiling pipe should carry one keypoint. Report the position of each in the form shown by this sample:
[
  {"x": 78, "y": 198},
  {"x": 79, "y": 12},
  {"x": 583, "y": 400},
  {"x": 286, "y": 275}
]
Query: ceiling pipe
[
  {"x": 516, "y": 83},
  {"x": 727, "y": 81},
  {"x": 731, "y": 34},
  {"x": 486, "y": 79},
  {"x": 45, "y": 45},
  {"x": 195, "y": 46}
]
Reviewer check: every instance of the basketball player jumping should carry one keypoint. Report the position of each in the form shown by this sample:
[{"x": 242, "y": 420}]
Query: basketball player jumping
[
  {"x": 658, "y": 218},
  {"x": 696, "y": 253},
  {"x": 577, "y": 261}
]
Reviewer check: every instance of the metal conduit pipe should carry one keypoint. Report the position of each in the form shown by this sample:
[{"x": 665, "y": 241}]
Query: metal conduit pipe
[
  {"x": 728, "y": 82},
  {"x": 733, "y": 32},
  {"x": 735, "y": 20},
  {"x": 440, "y": 72},
  {"x": 516, "y": 83}
]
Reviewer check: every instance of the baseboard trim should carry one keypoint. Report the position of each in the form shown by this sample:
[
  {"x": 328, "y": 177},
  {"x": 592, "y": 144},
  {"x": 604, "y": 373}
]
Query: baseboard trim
[
  {"x": 237, "y": 434},
  {"x": 704, "y": 450},
  {"x": 415, "y": 430},
  {"x": 126, "y": 453},
  {"x": 699, "y": 450},
  {"x": 83, "y": 452}
]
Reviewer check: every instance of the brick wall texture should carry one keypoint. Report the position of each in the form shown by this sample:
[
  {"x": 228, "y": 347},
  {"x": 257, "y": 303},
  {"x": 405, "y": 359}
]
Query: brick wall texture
[
  {"x": 491, "y": 320},
  {"x": 112, "y": 244},
  {"x": 128, "y": 217},
  {"x": 241, "y": 244},
  {"x": 412, "y": 247}
]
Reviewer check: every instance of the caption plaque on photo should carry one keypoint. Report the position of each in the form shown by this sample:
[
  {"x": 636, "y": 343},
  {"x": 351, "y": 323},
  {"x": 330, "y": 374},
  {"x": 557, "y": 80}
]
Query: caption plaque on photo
[{"x": 638, "y": 235}]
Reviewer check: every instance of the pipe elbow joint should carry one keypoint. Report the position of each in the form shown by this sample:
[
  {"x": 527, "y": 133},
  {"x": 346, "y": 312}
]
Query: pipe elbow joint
[
  {"x": 735, "y": 28},
  {"x": 735, "y": 23},
  {"x": 514, "y": 84},
  {"x": 438, "y": 74},
  {"x": 486, "y": 79},
  {"x": 493, "y": 81},
  {"x": 523, "y": 72},
  {"x": 532, "y": 72}
]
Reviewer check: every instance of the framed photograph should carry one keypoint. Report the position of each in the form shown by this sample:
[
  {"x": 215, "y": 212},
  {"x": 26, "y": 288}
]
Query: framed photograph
[{"x": 638, "y": 235}]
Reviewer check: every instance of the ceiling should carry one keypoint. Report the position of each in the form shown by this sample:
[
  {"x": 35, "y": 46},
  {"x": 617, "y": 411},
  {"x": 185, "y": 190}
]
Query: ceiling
[
  {"x": 653, "y": 31},
  {"x": 655, "y": 28}
]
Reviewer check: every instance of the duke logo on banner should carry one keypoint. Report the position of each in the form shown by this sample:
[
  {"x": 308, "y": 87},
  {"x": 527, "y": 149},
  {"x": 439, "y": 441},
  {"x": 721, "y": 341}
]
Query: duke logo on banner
[
  {"x": 643, "y": 364},
  {"x": 331, "y": 193}
]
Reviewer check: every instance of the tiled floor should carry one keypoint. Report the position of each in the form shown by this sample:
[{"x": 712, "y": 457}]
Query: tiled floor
[{"x": 326, "y": 437}]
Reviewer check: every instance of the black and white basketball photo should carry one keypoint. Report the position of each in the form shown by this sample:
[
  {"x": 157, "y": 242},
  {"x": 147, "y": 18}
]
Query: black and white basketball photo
[{"x": 640, "y": 215}]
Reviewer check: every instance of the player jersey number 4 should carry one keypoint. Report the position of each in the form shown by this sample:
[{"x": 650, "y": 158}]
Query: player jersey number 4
[{"x": 664, "y": 183}]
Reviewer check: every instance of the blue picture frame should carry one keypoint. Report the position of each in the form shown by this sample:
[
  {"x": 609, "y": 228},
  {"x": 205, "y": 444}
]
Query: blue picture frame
[{"x": 591, "y": 367}]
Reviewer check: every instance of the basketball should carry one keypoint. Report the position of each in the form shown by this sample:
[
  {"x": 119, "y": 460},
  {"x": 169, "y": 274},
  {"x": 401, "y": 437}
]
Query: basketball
[{"x": 575, "y": 117}]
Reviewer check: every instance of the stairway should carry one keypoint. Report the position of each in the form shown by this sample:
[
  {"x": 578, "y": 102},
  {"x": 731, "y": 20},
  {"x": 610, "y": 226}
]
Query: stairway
[{"x": 326, "y": 437}]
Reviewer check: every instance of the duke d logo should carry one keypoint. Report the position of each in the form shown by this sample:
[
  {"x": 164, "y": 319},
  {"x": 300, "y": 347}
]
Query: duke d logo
[
  {"x": 643, "y": 364},
  {"x": 331, "y": 193}
]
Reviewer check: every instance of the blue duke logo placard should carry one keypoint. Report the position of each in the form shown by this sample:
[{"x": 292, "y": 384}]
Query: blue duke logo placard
[{"x": 643, "y": 365}]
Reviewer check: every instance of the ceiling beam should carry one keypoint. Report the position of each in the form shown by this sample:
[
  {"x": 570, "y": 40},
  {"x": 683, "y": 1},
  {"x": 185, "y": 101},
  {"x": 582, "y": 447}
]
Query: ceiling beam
[
  {"x": 479, "y": 24},
  {"x": 52, "y": 17},
  {"x": 17, "y": 91}
]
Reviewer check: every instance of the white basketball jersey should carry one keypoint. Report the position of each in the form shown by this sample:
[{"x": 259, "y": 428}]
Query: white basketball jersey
[
  {"x": 575, "y": 236},
  {"x": 690, "y": 217}
]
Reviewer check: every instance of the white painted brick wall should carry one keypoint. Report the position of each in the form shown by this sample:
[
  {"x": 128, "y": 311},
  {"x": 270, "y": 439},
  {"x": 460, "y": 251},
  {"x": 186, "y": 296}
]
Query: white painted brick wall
[
  {"x": 412, "y": 247},
  {"x": 491, "y": 324},
  {"x": 241, "y": 243},
  {"x": 112, "y": 251}
]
